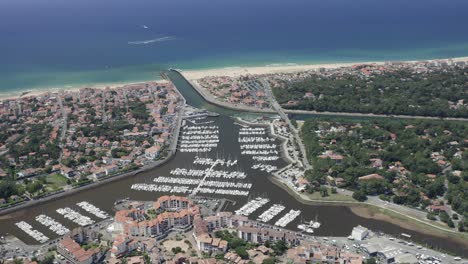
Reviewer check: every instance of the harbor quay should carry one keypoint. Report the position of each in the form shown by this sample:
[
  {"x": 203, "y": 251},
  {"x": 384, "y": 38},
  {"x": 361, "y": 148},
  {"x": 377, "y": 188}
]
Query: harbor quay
[{"x": 175, "y": 228}]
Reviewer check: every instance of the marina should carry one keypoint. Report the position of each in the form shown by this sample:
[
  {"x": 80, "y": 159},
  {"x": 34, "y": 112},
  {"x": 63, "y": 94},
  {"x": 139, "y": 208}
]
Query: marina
[
  {"x": 93, "y": 210},
  {"x": 104, "y": 196},
  {"x": 252, "y": 206},
  {"x": 52, "y": 224},
  {"x": 199, "y": 138},
  {"x": 28, "y": 229},
  {"x": 75, "y": 217},
  {"x": 288, "y": 218},
  {"x": 269, "y": 214}
]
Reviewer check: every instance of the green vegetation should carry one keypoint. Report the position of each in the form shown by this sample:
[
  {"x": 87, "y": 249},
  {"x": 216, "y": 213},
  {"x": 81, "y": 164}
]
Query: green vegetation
[
  {"x": 138, "y": 110},
  {"x": 240, "y": 246},
  {"x": 315, "y": 193},
  {"x": 401, "y": 92},
  {"x": 407, "y": 162},
  {"x": 271, "y": 260},
  {"x": 176, "y": 250}
]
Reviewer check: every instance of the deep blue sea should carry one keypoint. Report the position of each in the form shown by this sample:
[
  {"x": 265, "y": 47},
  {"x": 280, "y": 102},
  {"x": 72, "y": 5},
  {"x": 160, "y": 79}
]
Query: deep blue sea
[{"x": 66, "y": 43}]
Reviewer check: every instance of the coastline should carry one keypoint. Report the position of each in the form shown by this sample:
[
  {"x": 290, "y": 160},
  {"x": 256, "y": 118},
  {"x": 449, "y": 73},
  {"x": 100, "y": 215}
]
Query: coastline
[
  {"x": 288, "y": 68},
  {"x": 192, "y": 74},
  {"x": 244, "y": 108},
  {"x": 45, "y": 90}
]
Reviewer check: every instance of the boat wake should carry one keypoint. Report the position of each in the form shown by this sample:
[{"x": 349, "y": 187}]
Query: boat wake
[{"x": 143, "y": 42}]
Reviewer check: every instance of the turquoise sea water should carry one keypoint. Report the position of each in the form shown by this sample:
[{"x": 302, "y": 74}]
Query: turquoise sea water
[{"x": 65, "y": 43}]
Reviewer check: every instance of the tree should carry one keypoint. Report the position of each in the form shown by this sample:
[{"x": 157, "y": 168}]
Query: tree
[
  {"x": 450, "y": 223},
  {"x": 359, "y": 196},
  {"x": 176, "y": 250},
  {"x": 242, "y": 252},
  {"x": 323, "y": 191},
  {"x": 431, "y": 216},
  {"x": 280, "y": 247}
]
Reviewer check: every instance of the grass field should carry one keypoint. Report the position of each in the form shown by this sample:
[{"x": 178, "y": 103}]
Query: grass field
[
  {"x": 56, "y": 181},
  {"x": 331, "y": 196}
]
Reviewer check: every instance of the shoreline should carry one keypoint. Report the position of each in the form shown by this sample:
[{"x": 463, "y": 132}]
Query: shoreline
[
  {"x": 99, "y": 86},
  {"x": 192, "y": 74},
  {"x": 207, "y": 96},
  {"x": 371, "y": 211}
]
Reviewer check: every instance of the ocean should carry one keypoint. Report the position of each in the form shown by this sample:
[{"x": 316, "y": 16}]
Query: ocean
[{"x": 65, "y": 43}]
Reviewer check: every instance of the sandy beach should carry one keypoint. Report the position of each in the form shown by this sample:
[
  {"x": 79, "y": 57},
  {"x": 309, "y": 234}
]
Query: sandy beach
[
  {"x": 283, "y": 68},
  {"x": 41, "y": 91},
  {"x": 198, "y": 74}
]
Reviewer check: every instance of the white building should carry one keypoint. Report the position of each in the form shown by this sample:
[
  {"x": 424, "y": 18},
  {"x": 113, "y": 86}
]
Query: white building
[{"x": 359, "y": 233}]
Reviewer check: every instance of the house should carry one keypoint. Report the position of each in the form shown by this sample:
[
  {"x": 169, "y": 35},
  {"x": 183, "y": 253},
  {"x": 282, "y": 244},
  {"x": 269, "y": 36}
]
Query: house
[
  {"x": 123, "y": 244},
  {"x": 152, "y": 152},
  {"x": 67, "y": 172},
  {"x": 437, "y": 208},
  {"x": 111, "y": 169},
  {"x": 373, "y": 176},
  {"x": 208, "y": 244}
]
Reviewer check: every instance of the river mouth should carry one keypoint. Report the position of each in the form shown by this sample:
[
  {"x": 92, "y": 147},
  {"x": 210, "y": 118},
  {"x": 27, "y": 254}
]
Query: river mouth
[{"x": 337, "y": 220}]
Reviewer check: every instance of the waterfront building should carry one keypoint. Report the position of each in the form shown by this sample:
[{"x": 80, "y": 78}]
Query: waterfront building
[
  {"x": 359, "y": 233},
  {"x": 167, "y": 213},
  {"x": 74, "y": 253},
  {"x": 262, "y": 234}
]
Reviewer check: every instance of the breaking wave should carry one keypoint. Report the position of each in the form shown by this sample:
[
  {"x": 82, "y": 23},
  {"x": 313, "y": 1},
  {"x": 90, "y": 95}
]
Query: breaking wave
[{"x": 143, "y": 42}]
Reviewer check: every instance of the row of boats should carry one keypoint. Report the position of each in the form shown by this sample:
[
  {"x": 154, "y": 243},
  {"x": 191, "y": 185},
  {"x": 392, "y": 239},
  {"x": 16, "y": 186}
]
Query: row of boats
[
  {"x": 59, "y": 228},
  {"x": 214, "y": 127},
  {"x": 75, "y": 217},
  {"x": 186, "y": 189},
  {"x": 210, "y": 173},
  {"x": 255, "y": 204},
  {"x": 252, "y": 206},
  {"x": 93, "y": 210},
  {"x": 199, "y": 138},
  {"x": 265, "y": 158},
  {"x": 190, "y": 181},
  {"x": 211, "y": 162},
  {"x": 252, "y": 131},
  {"x": 259, "y": 152},
  {"x": 255, "y": 139},
  {"x": 271, "y": 212},
  {"x": 264, "y": 167},
  {"x": 258, "y": 146},
  {"x": 195, "y": 150},
  {"x": 28, "y": 229},
  {"x": 52, "y": 224},
  {"x": 288, "y": 218}
]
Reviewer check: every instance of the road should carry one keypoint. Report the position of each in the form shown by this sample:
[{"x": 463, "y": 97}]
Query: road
[{"x": 284, "y": 116}]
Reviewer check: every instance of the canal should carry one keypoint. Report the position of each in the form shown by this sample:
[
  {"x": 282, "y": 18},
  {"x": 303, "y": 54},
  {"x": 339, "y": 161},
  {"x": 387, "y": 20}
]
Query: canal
[{"x": 337, "y": 220}]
